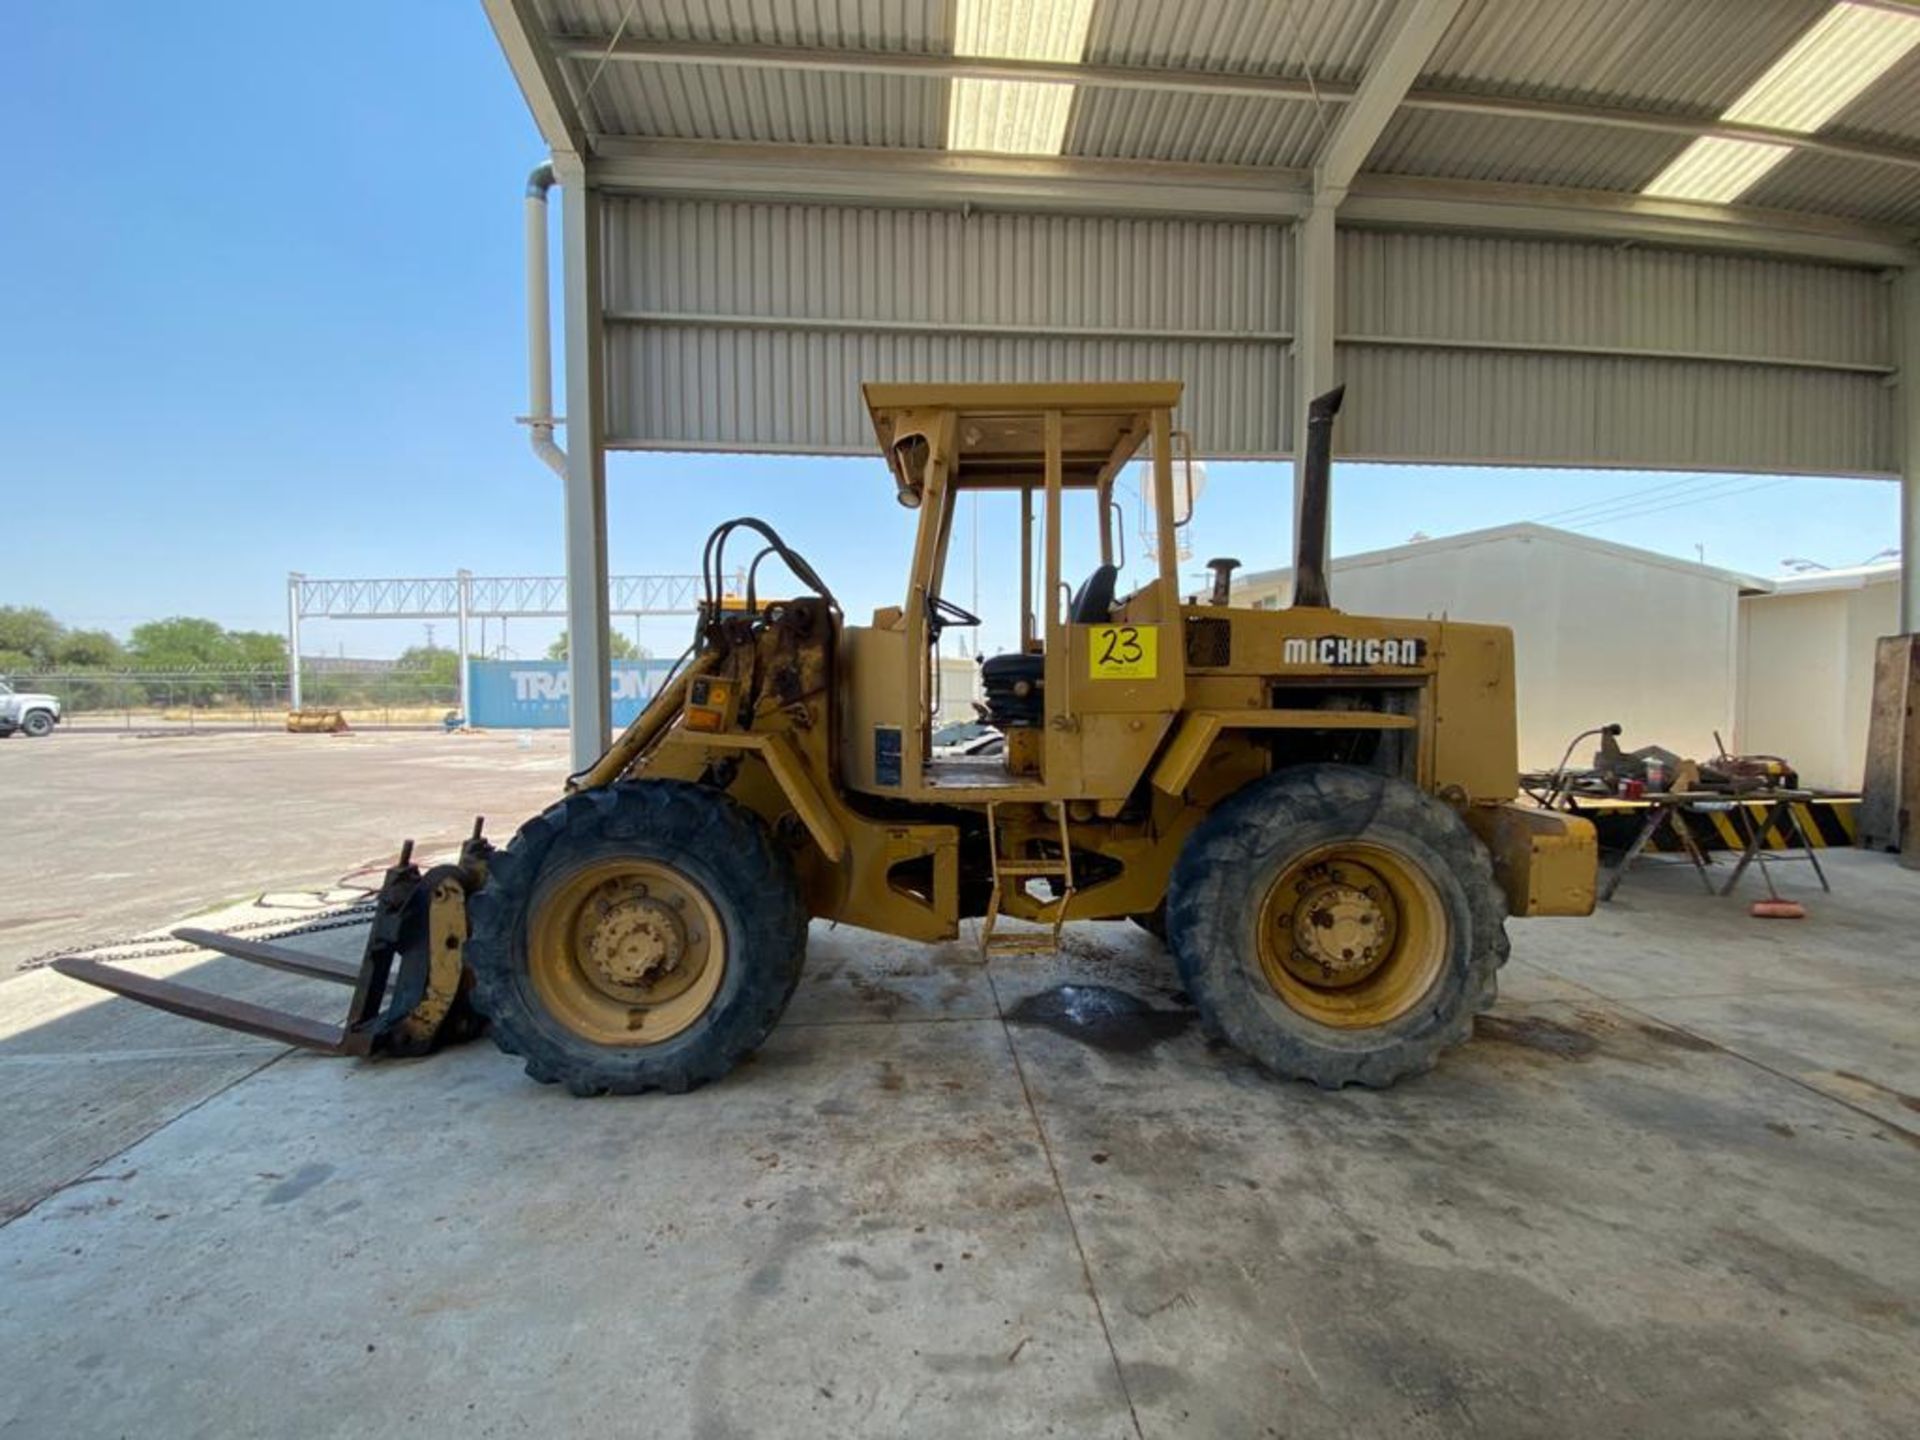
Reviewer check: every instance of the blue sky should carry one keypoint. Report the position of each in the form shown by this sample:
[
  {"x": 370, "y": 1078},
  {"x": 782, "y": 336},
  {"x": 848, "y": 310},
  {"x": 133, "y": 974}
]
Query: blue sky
[{"x": 262, "y": 312}]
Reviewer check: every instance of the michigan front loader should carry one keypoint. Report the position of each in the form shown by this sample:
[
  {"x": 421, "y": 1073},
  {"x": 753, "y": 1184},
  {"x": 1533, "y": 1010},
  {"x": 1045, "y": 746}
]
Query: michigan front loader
[{"x": 1315, "y": 810}]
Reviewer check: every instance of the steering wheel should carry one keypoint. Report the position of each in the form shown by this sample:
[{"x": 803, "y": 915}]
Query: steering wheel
[{"x": 942, "y": 612}]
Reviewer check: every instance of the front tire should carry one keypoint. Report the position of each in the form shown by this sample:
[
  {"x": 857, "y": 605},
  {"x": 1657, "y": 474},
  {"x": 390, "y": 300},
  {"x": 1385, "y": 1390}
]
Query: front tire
[
  {"x": 640, "y": 937},
  {"x": 1337, "y": 925},
  {"x": 37, "y": 724}
]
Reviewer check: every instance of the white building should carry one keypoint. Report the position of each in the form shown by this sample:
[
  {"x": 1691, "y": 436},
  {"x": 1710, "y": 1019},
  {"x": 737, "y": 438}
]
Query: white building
[
  {"x": 1806, "y": 668},
  {"x": 959, "y": 688},
  {"x": 1602, "y": 632}
]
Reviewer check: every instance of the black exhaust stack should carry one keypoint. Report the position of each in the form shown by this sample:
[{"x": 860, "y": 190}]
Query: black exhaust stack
[{"x": 1310, "y": 544}]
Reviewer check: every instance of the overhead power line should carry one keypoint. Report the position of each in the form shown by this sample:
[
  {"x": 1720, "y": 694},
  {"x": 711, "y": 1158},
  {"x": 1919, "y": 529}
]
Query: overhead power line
[
  {"x": 1636, "y": 512},
  {"x": 1685, "y": 483}
]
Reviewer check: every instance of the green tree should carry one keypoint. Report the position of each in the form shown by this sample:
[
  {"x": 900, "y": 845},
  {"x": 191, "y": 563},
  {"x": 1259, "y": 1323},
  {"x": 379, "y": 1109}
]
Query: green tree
[
  {"x": 30, "y": 631},
  {"x": 187, "y": 640},
  {"x": 177, "y": 643},
  {"x": 619, "y": 647},
  {"x": 89, "y": 650},
  {"x": 431, "y": 664},
  {"x": 256, "y": 649}
]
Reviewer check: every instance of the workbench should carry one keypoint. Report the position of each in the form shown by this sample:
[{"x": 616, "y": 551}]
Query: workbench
[{"x": 1666, "y": 811}]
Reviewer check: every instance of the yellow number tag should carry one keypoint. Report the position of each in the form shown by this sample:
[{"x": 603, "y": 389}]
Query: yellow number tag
[{"x": 1124, "y": 652}]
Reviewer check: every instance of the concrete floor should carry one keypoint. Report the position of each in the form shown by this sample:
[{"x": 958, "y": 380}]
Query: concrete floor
[
  {"x": 1668, "y": 1191},
  {"x": 230, "y": 814}
]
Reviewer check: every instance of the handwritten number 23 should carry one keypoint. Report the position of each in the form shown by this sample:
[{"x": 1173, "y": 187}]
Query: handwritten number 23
[{"x": 1122, "y": 647}]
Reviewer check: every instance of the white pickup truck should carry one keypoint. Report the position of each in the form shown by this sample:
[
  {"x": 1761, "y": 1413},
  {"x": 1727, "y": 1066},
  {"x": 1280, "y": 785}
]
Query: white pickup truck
[{"x": 34, "y": 715}]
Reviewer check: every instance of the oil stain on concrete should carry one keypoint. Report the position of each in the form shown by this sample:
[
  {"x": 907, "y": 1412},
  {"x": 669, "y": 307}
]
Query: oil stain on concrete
[{"x": 1101, "y": 1016}]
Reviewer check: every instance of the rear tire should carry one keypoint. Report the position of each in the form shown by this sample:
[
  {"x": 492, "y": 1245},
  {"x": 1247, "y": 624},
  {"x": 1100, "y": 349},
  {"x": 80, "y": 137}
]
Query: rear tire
[
  {"x": 37, "y": 724},
  {"x": 1337, "y": 925},
  {"x": 653, "y": 904}
]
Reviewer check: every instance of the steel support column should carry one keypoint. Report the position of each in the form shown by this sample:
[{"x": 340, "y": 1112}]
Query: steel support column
[
  {"x": 293, "y": 639},
  {"x": 1410, "y": 37},
  {"x": 1908, "y": 398},
  {"x": 1313, "y": 351},
  {"x": 464, "y": 588},
  {"x": 586, "y": 480}
]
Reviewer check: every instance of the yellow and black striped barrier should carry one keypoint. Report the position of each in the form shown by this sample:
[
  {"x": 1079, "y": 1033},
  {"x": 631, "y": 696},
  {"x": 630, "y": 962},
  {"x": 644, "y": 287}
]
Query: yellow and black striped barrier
[{"x": 1828, "y": 822}]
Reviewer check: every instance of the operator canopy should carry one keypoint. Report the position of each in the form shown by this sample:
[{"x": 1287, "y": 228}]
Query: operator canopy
[{"x": 999, "y": 431}]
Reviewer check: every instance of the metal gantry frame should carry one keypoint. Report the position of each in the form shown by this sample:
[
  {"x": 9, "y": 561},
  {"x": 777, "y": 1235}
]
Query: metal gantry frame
[
  {"x": 1332, "y": 193},
  {"x": 464, "y": 597}
]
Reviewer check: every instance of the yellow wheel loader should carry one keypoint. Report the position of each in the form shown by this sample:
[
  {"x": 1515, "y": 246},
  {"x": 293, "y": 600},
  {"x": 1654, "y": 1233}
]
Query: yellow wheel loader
[{"x": 1314, "y": 810}]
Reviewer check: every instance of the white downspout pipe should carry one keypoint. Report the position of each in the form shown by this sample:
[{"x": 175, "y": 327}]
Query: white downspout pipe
[
  {"x": 1907, "y": 317},
  {"x": 540, "y": 419}
]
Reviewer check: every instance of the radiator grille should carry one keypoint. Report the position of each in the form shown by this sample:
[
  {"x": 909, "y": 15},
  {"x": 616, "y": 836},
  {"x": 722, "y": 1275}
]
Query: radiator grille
[{"x": 1209, "y": 642}]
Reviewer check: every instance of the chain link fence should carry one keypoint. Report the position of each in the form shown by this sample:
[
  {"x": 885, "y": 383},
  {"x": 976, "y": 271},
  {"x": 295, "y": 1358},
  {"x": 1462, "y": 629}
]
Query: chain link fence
[{"x": 239, "y": 699}]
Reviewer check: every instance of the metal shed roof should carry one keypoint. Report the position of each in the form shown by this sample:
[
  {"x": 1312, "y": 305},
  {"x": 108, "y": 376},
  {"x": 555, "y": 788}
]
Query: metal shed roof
[
  {"x": 1572, "y": 104},
  {"x": 1524, "y": 532}
]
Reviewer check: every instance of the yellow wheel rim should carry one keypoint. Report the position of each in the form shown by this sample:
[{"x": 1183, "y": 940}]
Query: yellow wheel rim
[
  {"x": 1352, "y": 935},
  {"x": 625, "y": 951}
]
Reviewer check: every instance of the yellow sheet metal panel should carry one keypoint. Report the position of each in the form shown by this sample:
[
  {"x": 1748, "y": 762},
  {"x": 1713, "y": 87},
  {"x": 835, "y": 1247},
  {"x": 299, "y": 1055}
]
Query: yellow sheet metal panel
[
  {"x": 1475, "y": 741},
  {"x": 1124, "y": 652},
  {"x": 876, "y": 678},
  {"x": 1125, "y": 669},
  {"x": 1546, "y": 862},
  {"x": 1189, "y": 748}
]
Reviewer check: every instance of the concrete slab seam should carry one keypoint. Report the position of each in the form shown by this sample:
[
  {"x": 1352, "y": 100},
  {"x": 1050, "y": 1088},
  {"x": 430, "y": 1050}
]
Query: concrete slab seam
[
  {"x": 1647, "y": 1015},
  {"x": 1066, "y": 1208},
  {"x": 106, "y": 1160}
]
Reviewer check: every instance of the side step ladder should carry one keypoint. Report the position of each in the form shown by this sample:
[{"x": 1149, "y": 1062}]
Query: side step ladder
[
  {"x": 1026, "y": 942},
  {"x": 419, "y": 920}
]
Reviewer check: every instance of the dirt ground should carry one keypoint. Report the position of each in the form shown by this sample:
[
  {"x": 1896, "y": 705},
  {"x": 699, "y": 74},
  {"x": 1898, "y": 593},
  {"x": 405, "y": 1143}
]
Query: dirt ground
[{"x": 113, "y": 834}]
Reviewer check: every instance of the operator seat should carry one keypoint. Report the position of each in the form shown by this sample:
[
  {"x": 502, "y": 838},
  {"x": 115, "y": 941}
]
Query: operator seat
[{"x": 1014, "y": 682}]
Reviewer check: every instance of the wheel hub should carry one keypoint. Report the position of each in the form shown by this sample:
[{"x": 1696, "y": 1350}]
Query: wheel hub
[
  {"x": 634, "y": 940},
  {"x": 1351, "y": 934},
  {"x": 1342, "y": 929},
  {"x": 625, "y": 950},
  {"x": 636, "y": 943}
]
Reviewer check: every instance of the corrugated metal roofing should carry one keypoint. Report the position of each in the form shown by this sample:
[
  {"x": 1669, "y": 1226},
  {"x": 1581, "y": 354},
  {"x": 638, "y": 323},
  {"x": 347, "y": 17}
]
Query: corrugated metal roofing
[
  {"x": 1681, "y": 60},
  {"x": 1491, "y": 290},
  {"x": 906, "y": 25},
  {"x": 1526, "y": 531},
  {"x": 1829, "y": 185},
  {"x": 1685, "y": 57},
  {"x": 1208, "y": 129},
  {"x": 737, "y": 324},
  {"x": 1523, "y": 152},
  {"x": 753, "y": 324},
  {"x": 1889, "y": 111},
  {"x": 692, "y": 388},
  {"x": 796, "y": 107},
  {"x": 1288, "y": 37},
  {"x": 834, "y": 263},
  {"x": 1489, "y": 406}
]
